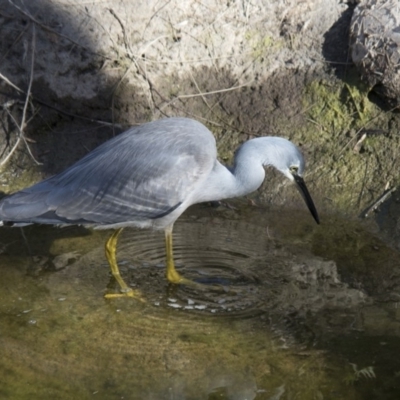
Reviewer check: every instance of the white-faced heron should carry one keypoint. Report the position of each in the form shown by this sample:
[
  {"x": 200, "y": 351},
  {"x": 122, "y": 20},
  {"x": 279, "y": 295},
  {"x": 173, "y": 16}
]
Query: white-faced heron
[{"x": 147, "y": 177}]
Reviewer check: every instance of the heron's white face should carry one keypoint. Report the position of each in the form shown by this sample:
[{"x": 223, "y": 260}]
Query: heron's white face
[
  {"x": 289, "y": 160},
  {"x": 291, "y": 171}
]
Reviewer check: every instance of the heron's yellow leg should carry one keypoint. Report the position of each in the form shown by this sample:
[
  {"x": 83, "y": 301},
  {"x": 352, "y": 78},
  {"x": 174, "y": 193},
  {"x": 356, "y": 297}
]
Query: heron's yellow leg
[
  {"x": 173, "y": 275},
  {"x": 111, "y": 248}
]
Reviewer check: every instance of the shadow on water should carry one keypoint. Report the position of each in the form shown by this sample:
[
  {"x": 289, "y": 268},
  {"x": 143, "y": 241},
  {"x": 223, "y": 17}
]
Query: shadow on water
[{"x": 274, "y": 321}]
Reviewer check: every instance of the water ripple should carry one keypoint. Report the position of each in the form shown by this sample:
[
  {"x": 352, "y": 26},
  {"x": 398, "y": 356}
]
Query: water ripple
[{"x": 224, "y": 258}]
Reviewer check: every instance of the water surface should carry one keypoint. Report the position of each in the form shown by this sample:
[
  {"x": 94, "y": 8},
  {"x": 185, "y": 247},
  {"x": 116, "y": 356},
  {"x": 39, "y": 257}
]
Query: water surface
[{"x": 289, "y": 310}]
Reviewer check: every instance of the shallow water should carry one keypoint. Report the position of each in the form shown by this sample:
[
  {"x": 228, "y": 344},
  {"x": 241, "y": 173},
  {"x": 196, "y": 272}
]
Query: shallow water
[{"x": 289, "y": 310}]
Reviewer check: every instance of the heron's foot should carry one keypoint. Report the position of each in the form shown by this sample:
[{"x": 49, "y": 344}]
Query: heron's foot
[
  {"x": 217, "y": 287},
  {"x": 176, "y": 278},
  {"x": 128, "y": 292},
  {"x": 185, "y": 281}
]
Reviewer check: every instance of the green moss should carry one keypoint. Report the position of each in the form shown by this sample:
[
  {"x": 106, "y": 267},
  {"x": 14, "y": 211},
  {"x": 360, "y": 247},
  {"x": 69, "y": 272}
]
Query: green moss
[
  {"x": 338, "y": 107},
  {"x": 337, "y": 113},
  {"x": 14, "y": 179},
  {"x": 261, "y": 44}
]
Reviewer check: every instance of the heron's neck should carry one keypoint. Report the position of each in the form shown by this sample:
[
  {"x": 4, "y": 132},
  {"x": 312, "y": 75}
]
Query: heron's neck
[
  {"x": 246, "y": 175},
  {"x": 248, "y": 170}
]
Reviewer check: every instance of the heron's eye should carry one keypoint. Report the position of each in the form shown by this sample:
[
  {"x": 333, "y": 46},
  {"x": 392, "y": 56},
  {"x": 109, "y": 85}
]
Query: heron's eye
[{"x": 294, "y": 169}]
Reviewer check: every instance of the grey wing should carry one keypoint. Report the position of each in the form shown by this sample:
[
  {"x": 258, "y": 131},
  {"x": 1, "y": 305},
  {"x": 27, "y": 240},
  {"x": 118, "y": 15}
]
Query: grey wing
[{"x": 142, "y": 174}]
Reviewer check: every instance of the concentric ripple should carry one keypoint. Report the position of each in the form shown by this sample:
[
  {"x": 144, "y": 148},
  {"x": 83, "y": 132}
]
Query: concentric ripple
[{"x": 226, "y": 259}]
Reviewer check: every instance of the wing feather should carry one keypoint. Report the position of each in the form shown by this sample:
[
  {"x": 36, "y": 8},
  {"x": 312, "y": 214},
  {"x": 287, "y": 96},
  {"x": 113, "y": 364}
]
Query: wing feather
[{"x": 141, "y": 174}]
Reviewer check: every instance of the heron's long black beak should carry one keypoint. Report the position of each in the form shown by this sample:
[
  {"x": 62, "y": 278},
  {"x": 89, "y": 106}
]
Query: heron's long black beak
[{"x": 306, "y": 196}]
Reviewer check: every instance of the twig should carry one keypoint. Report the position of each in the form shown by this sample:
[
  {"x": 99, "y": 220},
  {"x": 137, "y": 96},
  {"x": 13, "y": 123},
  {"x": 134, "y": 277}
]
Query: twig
[
  {"x": 186, "y": 61},
  {"x": 12, "y": 45},
  {"x": 186, "y": 96},
  {"x": 6, "y": 80},
  {"x": 381, "y": 199},
  {"x": 21, "y": 126},
  {"x": 114, "y": 92},
  {"x": 11, "y": 151},
  {"x": 30, "y": 79},
  {"x": 134, "y": 59},
  {"x": 363, "y": 185},
  {"x": 157, "y": 11},
  {"x": 354, "y": 102},
  {"x": 68, "y": 114},
  {"x": 358, "y": 145},
  {"x": 126, "y": 41},
  {"x": 197, "y": 87},
  {"x": 152, "y": 90}
]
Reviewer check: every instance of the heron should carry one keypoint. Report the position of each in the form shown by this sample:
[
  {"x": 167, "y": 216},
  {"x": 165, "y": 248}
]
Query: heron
[{"x": 147, "y": 177}]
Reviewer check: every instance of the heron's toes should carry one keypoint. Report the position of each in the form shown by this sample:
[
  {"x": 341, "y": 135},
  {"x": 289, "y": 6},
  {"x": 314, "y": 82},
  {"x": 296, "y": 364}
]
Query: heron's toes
[
  {"x": 180, "y": 280},
  {"x": 126, "y": 293},
  {"x": 174, "y": 276}
]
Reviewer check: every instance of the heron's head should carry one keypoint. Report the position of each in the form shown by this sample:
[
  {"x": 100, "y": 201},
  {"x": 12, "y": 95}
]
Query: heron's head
[
  {"x": 293, "y": 164},
  {"x": 283, "y": 155},
  {"x": 287, "y": 158}
]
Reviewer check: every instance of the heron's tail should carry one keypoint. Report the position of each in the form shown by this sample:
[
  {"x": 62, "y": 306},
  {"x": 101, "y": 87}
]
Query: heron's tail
[{"x": 27, "y": 207}]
